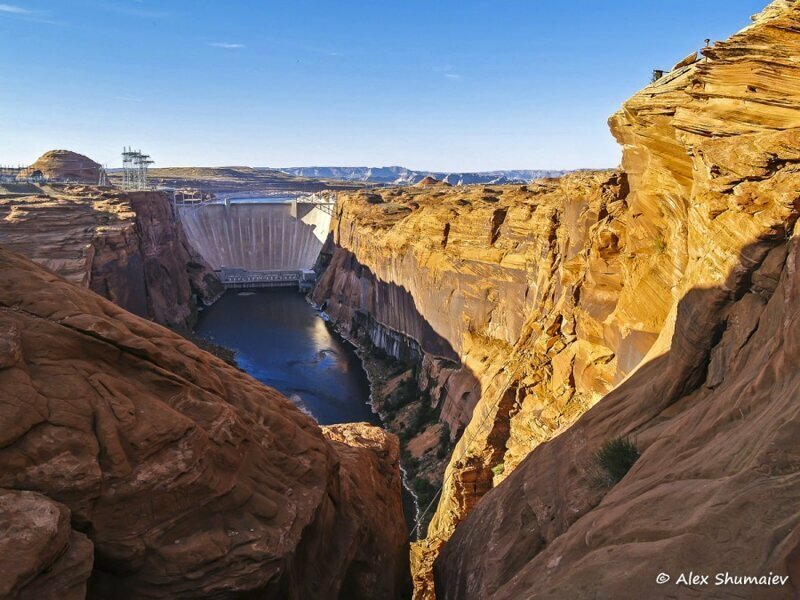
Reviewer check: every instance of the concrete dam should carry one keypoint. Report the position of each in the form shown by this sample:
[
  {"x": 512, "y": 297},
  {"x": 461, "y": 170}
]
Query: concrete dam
[{"x": 252, "y": 243}]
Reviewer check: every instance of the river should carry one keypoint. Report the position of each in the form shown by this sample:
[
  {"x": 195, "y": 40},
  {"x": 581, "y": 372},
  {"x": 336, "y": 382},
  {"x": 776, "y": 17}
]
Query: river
[{"x": 282, "y": 341}]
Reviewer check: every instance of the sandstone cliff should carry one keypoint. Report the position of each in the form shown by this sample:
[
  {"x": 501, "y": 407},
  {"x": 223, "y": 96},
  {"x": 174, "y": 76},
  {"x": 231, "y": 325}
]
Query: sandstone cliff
[
  {"x": 178, "y": 476},
  {"x": 126, "y": 246},
  {"x": 714, "y": 491},
  {"x": 43, "y": 556},
  {"x": 641, "y": 288}
]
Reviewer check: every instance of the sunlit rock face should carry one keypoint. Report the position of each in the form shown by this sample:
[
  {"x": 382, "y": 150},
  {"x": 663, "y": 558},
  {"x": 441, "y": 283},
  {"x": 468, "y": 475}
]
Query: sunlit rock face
[
  {"x": 634, "y": 292},
  {"x": 710, "y": 152},
  {"x": 126, "y": 246},
  {"x": 458, "y": 271},
  {"x": 257, "y": 236},
  {"x": 125, "y": 446}
]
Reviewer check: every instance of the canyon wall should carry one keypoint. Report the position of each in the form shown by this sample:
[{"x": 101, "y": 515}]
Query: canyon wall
[
  {"x": 129, "y": 454},
  {"x": 126, "y": 246},
  {"x": 711, "y": 153},
  {"x": 714, "y": 491},
  {"x": 257, "y": 235},
  {"x": 638, "y": 290}
]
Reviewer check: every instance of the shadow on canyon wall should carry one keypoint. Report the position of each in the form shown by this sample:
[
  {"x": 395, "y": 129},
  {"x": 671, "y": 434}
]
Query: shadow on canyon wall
[
  {"x": 385, "y": 314},
  {"x": 706, "y": 417},
  {"x": 382, "y": 317}
]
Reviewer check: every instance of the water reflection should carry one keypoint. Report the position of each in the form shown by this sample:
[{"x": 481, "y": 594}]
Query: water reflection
[{"x": 280, "y": 340}]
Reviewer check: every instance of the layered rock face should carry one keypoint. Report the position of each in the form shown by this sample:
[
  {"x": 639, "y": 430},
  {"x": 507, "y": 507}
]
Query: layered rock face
[
  {"x": 449, "y": 272},
  {"x": 711, "y": 153},
  {"x": 651, "y": 292},
  {"x": 188, "y": 477},
  {"x": 713, "y": 492},
  {"x": 126, "y": 246}
]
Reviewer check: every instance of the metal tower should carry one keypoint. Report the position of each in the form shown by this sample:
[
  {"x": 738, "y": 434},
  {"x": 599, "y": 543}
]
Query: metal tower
[{"x": 134, "y": 169}]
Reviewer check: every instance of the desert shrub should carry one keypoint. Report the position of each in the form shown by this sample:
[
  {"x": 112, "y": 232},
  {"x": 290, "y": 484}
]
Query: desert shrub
[
  {"x": 612, "y": 461},
  {"x": 499, "y": 469},
  {"x": 424, "y": 415},
  {"x": 411, "y": 465}
]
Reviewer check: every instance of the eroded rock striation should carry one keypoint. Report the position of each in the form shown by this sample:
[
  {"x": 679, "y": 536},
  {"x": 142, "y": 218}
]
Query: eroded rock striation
[
  {"x": 711, "y": 154},
  {"x": 655, "y": 303},
  {"x": 126, "y": 246},
  {"x": 188, "y": 477}
]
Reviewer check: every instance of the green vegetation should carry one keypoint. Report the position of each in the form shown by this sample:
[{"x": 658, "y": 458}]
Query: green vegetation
[
  {"x": 612, "y": 461},
  {"x": 660, "y": 245},
  {"x": 424, "y": 416},
  {"x": 499, "y": 469},
  {"x": 408, "y": 411}
]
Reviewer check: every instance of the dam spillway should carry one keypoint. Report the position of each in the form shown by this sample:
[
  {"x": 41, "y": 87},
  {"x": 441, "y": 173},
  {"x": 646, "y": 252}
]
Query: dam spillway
[{"x": 257, "y": 236}]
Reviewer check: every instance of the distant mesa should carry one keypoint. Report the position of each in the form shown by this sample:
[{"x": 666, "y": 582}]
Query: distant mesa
[
  {"x": 63, "y": 165},
  {"x": 402, "y": 176}
]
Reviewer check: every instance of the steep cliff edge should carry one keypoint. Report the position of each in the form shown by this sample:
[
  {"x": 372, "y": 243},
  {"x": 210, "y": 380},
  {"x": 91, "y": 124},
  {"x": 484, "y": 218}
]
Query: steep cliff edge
[
  {"x": 188, "y": 477},
  {"x": 711, "y": 153},
  {"x": 447, "y": 277},
  {"x": 126, "y": 246},
  {"x": 715, "y": 488},
  {"x": 562, "y": 293}
]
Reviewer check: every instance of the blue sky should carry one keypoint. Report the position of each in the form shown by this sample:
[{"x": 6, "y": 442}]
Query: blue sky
[{"x": 436, "y": 84}]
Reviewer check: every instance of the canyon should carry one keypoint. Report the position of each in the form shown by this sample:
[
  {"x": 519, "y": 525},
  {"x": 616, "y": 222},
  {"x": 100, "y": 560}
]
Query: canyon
[
  {"x": 553, "y": 317},
  {"x": 512, "y": 335}
]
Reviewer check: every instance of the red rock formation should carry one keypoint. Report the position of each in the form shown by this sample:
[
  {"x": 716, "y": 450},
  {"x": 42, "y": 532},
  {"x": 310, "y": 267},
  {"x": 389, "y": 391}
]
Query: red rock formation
[
  {"x": 64, "y": 165},
  {"x": 190, "y": 478},
  {"x": 430, "y": 181},
  {"x": 714, "y": 490},
  {"x": 127, "y": 247},
  {"x": 42, "y": 556}
]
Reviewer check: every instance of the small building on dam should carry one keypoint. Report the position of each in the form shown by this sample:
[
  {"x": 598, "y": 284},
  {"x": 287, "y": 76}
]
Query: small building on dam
[{"x": 258, "y": 244}]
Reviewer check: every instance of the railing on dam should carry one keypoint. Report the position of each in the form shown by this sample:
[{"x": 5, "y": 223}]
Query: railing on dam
[
  {"x": 233, "y": 278},
  {"x": 325, "y": 201}
]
